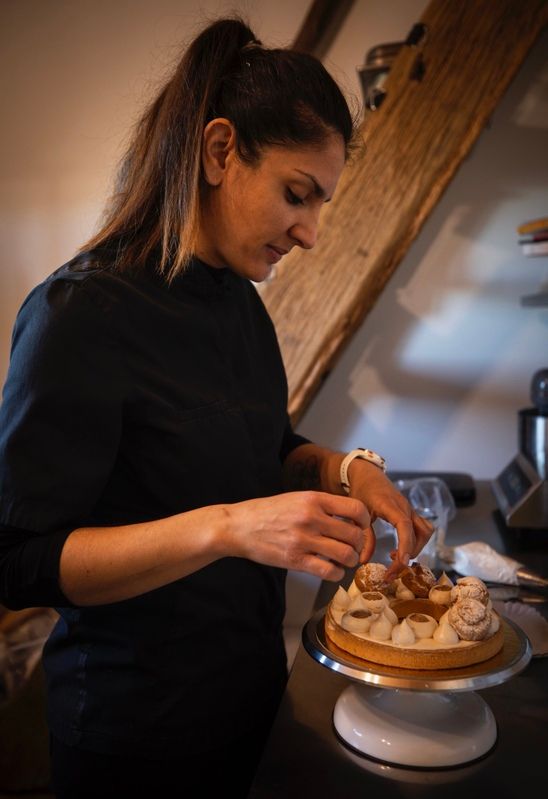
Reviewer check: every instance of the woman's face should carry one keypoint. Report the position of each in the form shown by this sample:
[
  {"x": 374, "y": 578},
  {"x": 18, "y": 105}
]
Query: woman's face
[{"x": 254, "y": 215}]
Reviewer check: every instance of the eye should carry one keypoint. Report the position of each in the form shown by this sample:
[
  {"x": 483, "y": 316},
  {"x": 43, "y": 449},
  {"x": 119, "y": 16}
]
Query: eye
[{"x": 292, "y": 198}]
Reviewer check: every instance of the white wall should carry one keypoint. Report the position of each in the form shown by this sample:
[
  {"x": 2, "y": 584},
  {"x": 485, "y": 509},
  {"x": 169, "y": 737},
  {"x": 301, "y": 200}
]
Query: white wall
[{"x": 435, "y": 376}]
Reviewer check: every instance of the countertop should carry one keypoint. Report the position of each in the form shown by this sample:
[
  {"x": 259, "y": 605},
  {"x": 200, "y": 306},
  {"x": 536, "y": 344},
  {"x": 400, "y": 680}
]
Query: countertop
[{"x": 304, "y": 757}]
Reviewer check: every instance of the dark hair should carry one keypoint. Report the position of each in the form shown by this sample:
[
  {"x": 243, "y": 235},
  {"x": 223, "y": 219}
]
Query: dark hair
[{"x": 272, "y": 97}]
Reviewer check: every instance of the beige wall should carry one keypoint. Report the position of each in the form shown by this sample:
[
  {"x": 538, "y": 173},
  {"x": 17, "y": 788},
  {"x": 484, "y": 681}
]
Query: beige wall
[{"x": 75, "y": 75}]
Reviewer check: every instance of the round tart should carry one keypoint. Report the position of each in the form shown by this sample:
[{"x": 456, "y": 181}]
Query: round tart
[{"x": 416, "y": 633}]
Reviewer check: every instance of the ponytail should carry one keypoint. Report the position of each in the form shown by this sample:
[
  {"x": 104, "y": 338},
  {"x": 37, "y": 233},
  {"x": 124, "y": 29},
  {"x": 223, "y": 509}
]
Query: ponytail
[{"x": 272, "y": 97}]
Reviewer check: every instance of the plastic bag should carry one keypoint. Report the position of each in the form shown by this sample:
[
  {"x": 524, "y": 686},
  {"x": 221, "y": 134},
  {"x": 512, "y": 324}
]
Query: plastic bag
[{"x": 431, "y": 498}]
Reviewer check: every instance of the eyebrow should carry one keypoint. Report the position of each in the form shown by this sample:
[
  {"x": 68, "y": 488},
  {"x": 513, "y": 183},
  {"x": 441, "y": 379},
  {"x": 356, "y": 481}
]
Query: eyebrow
[{"x": 318, "y": 191}]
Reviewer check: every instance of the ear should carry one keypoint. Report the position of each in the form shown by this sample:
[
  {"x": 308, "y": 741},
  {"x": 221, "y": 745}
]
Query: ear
[{"x": 219, "y": 141}]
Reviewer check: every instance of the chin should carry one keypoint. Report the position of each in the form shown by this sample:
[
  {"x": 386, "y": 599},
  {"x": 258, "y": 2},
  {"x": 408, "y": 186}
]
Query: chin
[
  {"x": 266, "y": 273},
  {"x": 257, "y": 272}
]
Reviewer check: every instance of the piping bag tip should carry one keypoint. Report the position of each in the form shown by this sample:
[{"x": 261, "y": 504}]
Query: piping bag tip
[{"x": 530, "y": 579}]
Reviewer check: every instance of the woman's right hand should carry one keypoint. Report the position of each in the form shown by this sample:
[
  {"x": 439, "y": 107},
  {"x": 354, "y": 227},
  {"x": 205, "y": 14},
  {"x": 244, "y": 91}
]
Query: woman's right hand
[
  {"x": 299, "y": 530},
  {"x": 308, "y": 531}
]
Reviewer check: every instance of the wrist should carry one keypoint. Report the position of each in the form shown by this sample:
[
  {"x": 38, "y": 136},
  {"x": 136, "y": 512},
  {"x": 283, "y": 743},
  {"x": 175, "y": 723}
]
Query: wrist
[{"x": 223, "y": 539}]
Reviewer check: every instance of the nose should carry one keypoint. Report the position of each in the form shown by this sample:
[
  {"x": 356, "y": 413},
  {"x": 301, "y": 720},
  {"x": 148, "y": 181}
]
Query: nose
[{"x": 305, "y": 231}]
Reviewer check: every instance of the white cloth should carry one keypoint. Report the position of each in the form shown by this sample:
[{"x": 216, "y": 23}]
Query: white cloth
[{"x": 531, "y": 622}]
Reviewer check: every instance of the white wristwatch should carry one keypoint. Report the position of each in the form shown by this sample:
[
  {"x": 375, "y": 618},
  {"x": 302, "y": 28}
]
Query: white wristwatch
[{"x": 365, "y": 455}]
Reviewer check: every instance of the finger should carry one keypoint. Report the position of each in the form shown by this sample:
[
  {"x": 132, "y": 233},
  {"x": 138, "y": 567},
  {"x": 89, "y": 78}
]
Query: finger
[
  {"x": 424, "y": 530},
  {"x": 320, "y": 567},
  {"x": 396, "y": 567},
  {"x": 333, "y": 550},
  {"x": 348, "y": 507},
  {"x": 425, "y": 525},
  {"x": 405, "y": 550},
  {"x": 369, "y": 544},
  {"x": 407, "y": 541},
  {"x": 345, "y": 530}
]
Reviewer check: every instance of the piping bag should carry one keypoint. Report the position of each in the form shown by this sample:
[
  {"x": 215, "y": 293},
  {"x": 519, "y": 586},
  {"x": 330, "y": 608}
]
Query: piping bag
[{"x": 478, "y": 559}]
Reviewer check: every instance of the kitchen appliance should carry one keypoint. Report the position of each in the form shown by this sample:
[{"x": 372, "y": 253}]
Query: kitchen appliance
[{"x": 521, "y": 489}]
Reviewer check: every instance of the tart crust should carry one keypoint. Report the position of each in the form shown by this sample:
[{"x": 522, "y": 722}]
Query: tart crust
[{"x": 386, "y": 653}]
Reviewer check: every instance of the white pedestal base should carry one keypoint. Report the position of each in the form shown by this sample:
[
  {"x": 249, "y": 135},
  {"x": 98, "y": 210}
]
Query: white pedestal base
[{"x": 415, "y": 728}]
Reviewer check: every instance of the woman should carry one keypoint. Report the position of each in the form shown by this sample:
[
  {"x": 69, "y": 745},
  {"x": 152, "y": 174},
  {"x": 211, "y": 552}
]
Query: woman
[{"x": 152, "y": 489}]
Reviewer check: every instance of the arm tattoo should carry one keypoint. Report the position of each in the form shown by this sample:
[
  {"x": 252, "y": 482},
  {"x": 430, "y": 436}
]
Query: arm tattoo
[{"x": 304, "y": 475}]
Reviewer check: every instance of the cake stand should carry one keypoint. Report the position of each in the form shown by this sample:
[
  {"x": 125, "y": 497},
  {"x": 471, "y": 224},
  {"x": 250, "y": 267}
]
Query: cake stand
[{"x": 416, "y": 718}]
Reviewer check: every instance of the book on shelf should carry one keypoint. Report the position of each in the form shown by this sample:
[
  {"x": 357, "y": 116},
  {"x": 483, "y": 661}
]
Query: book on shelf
[
  {"x": 535, "y": 248},
  {"x": 539, "y": 300},
  {"x": 533, "y": 226},
  {"x": 531, "y": 237}
]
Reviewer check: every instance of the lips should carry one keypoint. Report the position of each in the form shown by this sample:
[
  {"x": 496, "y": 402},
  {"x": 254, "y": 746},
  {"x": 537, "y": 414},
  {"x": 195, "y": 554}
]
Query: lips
[{"x": 275, "y": 253}]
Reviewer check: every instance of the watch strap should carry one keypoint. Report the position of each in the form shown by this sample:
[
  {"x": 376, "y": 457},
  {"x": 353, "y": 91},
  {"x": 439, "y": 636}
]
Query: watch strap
[{"x": 363, "y": 454}]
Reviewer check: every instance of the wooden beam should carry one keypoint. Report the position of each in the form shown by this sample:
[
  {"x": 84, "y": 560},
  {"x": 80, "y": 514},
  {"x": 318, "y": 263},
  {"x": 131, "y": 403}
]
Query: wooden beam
[
  {"x": 321, "y": 25},
  {"x": 414, "y": 144}
]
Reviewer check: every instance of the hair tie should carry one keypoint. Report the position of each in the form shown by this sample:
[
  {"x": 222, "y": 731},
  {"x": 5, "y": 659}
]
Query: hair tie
[{"x": 253, "y": 44}]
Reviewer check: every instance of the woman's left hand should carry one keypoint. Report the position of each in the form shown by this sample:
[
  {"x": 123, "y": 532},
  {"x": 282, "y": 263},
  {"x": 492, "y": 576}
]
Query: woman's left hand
[
  {"x": 310, "y": 466},
  {"x": 371, "y": 485}
]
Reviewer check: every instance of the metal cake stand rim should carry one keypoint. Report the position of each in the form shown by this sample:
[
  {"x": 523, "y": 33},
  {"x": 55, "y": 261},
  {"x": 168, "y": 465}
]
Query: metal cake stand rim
[{"x": 315, "y": 644}]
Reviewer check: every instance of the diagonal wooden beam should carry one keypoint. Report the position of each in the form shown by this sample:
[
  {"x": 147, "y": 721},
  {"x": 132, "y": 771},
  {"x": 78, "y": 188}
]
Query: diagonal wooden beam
[
  {"x": 414, "y": 144},
  {"x": 320, "y": 26}
]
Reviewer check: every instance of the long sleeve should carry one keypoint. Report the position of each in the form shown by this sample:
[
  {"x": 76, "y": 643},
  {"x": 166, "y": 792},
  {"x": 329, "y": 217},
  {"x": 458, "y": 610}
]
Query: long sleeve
[
  {"x": 29, "y": 569},
  {"x": 290, "y": 441},
  {"x": 59, "y": 427}
]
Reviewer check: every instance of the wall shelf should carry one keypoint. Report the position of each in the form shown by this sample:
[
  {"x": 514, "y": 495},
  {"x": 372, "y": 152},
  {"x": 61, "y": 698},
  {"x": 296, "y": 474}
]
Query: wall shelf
[{"x": 539, "y": 300}]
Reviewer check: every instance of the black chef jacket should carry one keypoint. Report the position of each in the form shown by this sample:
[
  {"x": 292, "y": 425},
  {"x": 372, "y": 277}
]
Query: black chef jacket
[{"x": 129, "y": 400}]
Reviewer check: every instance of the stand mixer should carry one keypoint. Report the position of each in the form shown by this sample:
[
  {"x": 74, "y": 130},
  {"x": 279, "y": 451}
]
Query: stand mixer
[
  {"x": 533, "y": 424},
  {"x": 521, "y": 489}
]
